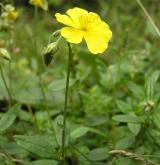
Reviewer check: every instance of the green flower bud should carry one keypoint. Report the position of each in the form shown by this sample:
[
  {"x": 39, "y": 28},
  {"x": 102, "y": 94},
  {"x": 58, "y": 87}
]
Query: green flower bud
[
  {"x": 49, "y": 52},
  {"x": 9, "y": 8},
  {"x": 148, "y": 105},
  {"x": 56, "y": 33},
  {"x": 5, "y": 54}
]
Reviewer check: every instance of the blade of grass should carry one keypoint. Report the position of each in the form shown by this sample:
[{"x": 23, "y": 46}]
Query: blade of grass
[{"x": 149, "y": 17}]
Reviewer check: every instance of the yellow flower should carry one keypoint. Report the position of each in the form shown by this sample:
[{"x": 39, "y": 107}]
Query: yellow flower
[
  {"x": 37, "y": 3},
  {"x": 13, "y": 15},
  {"x": 10, "y": 14},
  {"x": 85, "y": 25},
  {"x": 40, "y": 3}
]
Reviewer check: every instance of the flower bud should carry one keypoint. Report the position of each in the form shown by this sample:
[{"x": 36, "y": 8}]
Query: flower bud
[
  {"x": 148, "y": 105},
  {"x": 49, "y": 52},
  {"x": 9, "y": 15},
  {"x": 5, "y": 54},
  {"x": 9, "y": 8},
  {"x": 13, "y": 15},
  {"x": 56, "y": 33}
]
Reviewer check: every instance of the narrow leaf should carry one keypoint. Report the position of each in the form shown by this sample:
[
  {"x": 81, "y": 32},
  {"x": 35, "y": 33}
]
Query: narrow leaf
[
  {"x": 78, "y": 132},
  {"x": 127, "y": 118},
  {"x": 41, "y": 145},
  {"x": 98, "y": 154},
  {"x": 134, "y": 128},
  {"x": 60, "y": 84},
  {"x": 43, "y": 162},
  {"x": 8, "y": 118}
]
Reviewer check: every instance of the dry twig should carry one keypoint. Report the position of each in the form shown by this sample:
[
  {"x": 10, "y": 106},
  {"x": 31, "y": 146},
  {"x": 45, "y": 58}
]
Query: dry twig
[{"x": 132, "y": 156}]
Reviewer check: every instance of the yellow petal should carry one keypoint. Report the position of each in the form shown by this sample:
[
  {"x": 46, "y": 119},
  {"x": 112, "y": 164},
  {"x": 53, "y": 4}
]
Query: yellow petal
[
  {"x": 13, "y": 15},
  {"x": 64, "y": 19},
  {"x": 97, "y": 37},
  {"x": 93, "y": 17},
  {"x": 94, "y": 21},
  {"x": 37, "y": 3},
  {"x": 76, "y": 13},
  {"x": 72, "y": 35}
]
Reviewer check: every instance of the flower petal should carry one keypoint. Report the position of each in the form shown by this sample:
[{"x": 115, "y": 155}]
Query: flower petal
[
  {"x": 72, "y": 35},
  {"x": 97, "y": 37},
  {"x": 66, "y": 20},
  {"x": 93, "y": 17},
  {"x": 76, "y": 13}
]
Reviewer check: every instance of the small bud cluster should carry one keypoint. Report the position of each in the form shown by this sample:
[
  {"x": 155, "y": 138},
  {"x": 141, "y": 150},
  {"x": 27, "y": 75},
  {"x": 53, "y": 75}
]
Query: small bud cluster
[{"x": 148, "y": 105}]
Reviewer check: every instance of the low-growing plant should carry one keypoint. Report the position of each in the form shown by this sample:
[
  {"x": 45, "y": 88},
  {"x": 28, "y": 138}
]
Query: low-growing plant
[{"x": 61, "y": 100}]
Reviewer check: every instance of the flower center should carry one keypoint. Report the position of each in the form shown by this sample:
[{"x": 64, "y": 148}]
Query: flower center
[
  {"x": 83, "y": 21},
  {"x": 84, "y": 29},
  {"x": 38, "y": 2}
]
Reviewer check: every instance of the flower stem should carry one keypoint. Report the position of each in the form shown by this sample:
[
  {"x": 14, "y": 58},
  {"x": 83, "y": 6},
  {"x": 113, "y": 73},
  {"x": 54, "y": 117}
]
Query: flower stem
[
  {"x": 66, "y": 102},
  {"x": 36, "y": 15},
  {"x": 6, "y": 86}
]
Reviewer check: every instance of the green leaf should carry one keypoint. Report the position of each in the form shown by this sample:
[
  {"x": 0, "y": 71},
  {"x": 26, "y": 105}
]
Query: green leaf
[
  {"x": 123, "y": 107},
  {"x": 156, "y": 119},
  {"x": 78, "y": 132},
  {"x": 137, "y": 90},
  {"x": 97, "y": 131},
  {"x": 41, "y": 145},
  {"x": 150, "y": 85},
  {"x": 98, "y": 154},
  {"x": 60, "y": 84},
  {"x": 31, "y": 93},
  {"x": 58, "y": 128},
  {"x": 8, "y": 118},
  {"x": 11, "y": 148},
  {"x": 127, "y": 118},
  {"x": 96, "y": 120},
  {"x": 134, "y": 128},
  {"x": 43, "y": 162},
  {"x": 125, "y": 142}
]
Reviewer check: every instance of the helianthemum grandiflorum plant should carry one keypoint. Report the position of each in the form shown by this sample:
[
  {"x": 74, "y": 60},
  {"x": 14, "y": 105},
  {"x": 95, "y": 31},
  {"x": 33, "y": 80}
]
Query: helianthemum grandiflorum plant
[{"x": 81, "y": 24}]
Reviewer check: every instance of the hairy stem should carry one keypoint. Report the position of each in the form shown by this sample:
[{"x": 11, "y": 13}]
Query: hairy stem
[{"x": 66, "y": 102}]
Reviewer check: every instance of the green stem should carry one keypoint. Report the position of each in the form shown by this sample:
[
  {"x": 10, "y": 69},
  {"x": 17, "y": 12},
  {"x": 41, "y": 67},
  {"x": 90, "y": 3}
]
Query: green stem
[
  {"x": 36, "y": 15},
  {"x": 66, "y": 102},
  {"x": 2, "y": 6},
  {"x": 6, "y": 86},
  {"x": 33, "y": 118}
]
